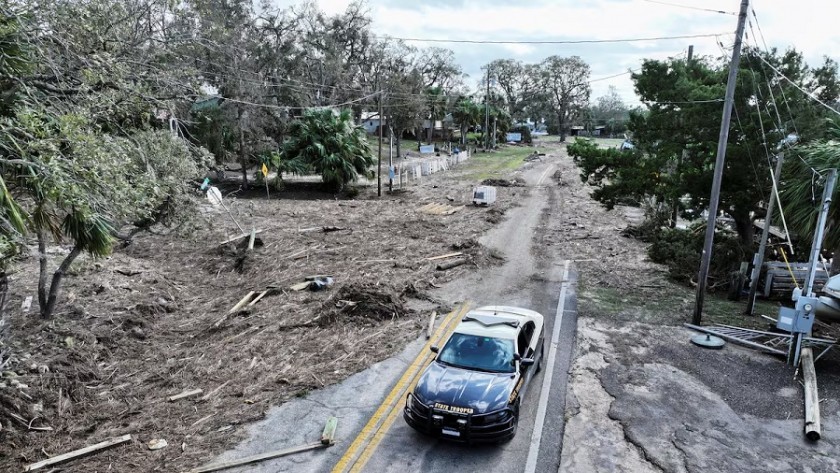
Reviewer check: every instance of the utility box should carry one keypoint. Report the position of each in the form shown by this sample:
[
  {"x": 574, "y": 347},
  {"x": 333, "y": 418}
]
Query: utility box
[{"x": 484, "y": 195}]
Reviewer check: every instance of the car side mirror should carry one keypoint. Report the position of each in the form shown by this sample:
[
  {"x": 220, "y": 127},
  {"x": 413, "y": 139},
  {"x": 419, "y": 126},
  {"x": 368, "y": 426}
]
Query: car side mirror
[
  {"x": 516, "y": 357},
  {"x": 434, "y": 349},
  {"x": 526, "y": 362}
]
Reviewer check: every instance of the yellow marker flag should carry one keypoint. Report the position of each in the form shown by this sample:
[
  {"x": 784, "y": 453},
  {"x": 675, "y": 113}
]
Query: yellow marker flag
[{"x": 264, "y": 170}]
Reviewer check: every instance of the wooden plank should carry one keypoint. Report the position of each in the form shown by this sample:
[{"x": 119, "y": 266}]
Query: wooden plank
[
  {"x": 448, "y": 255},
  {"x": 185, "y": 394},
  {"x": 328, "y": 437},
  {"x": 431, "y": 325},
  {"x": 252, "y": 239},
  {"x": 79, "y": 453},
  {"x": 451, "y": 264},
  {"x": 300, "y": 286},
  {"x": 257, "y": 299},
  {"x": 258, "y": 458},
  {"x": 812, "y": 398},
  {"x": 242, "y": 302}
]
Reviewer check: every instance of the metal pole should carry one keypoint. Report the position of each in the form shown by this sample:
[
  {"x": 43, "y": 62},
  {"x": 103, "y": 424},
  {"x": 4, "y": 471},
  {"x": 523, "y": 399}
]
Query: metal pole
[
  {"x": 379, "y": 155},
  {"x": 820, "y": 232},
  {"x": 487, "y": 112},
  {"x": 719, "y": 162},
  {"x": 765, "y": 234}
]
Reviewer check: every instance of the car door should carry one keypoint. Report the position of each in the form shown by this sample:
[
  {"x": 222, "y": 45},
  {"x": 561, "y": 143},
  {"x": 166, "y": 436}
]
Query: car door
[{"x": 523, "y": 344}]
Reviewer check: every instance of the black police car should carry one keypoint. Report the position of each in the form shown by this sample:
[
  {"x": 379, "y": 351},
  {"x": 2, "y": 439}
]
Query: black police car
[{"x": 472, "y": 390}]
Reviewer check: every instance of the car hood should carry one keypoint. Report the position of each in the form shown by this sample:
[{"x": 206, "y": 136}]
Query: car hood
[{"x": 457, "y": 387}]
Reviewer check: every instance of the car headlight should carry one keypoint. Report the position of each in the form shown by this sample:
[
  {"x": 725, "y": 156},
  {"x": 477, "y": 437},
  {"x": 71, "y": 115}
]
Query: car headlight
[{"x": 496, "y": 417}]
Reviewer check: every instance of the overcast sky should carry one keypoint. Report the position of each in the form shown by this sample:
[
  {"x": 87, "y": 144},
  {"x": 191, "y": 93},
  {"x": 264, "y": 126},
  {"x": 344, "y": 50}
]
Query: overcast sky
[{"x": 809, "y": 25}]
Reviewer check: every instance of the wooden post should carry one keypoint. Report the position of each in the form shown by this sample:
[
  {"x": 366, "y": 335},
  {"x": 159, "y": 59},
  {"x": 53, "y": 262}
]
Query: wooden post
[
  {"x": 431, "y": 325},
  {"x": 79, "y": 453},
  {"x": 252, "y": 239},
  {"x": 328, "y": 436},
  {"x": 812, "y": 398}
]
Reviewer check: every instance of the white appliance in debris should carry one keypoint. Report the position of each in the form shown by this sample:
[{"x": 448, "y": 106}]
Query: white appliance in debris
[{"x": 484, "y": 195}]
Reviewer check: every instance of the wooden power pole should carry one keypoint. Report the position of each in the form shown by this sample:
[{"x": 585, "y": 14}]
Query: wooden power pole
[
  {"x": 487, "y": 112},
  {"x": 675, "y": 211},
  {"x": 379, "y": 155},
  {"x": 714, "y": 201}
]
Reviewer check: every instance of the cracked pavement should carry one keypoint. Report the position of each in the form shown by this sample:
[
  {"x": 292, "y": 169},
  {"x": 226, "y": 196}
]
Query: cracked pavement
[{"x": 642, "y": 398}]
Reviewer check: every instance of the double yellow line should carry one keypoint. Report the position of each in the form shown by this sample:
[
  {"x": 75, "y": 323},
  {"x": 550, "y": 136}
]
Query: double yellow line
[{"x": 369, "y": 438}]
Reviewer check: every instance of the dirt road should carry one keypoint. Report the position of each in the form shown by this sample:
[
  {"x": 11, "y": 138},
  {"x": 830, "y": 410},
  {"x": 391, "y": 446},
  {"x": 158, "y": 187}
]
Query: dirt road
[{"x": 528, "y": 278}]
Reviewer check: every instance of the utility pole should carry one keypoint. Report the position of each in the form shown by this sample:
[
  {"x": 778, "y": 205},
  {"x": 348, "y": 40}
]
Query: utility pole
[
  {"x": 493, "y": 143},
  {"x": 675, "y": 211},
  {"x": 765, "y": 234},
  {"x": 706, "y": 256},
  {"x": 487, "y": 112},
  {"x": 379, "y": 155}
]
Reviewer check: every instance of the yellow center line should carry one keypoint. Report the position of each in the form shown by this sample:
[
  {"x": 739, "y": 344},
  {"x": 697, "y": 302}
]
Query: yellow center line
[{"x": 391, "y": 401}]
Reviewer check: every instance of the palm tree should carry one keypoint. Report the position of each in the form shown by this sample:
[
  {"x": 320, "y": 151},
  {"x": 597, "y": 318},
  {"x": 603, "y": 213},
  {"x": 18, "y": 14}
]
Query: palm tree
[
  {"x": 467, "y": 113},
  {"x": 801, "y": 191},
  {"x": 331, "y": 145}
]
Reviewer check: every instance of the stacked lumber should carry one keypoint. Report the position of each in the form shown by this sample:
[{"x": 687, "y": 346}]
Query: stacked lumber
[{"x": 778, "y": 283}]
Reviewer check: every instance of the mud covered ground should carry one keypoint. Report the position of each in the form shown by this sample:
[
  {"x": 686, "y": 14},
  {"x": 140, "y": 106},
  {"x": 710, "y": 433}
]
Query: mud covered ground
[{"x": 151, "y": 320}]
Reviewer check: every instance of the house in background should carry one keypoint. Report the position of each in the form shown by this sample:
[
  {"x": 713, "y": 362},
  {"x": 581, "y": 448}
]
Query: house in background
[{"x": 370, "y": 122}]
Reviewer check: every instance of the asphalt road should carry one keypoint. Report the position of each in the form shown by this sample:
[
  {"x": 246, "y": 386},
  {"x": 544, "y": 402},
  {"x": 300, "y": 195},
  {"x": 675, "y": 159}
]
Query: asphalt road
[{"x": 386, "y": 443}]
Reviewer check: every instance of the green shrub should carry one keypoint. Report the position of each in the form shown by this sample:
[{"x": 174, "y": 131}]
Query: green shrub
[{"x": 680, "y": 251}]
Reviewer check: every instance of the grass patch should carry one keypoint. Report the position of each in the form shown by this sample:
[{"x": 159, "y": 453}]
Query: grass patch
[
  {"x": 670, "y": 305},
  {"x": 496, "y": 164}
]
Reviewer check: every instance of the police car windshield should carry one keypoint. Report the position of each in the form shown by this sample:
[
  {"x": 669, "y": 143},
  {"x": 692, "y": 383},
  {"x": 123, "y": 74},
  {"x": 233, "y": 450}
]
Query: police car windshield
[{"x": 478, "y": 353}]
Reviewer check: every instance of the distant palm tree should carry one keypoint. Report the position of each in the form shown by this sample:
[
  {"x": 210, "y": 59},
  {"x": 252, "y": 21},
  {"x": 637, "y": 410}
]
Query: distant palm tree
[
  {"x": 331, "y": 145},
  {"x": 801, "y": 191}
]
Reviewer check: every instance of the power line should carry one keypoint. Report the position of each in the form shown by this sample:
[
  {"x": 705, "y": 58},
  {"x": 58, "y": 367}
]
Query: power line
[
  {"x": 574, "y": 41},
  {"x": 722, "y": 12},
  {"x": 809, "y": 94}
]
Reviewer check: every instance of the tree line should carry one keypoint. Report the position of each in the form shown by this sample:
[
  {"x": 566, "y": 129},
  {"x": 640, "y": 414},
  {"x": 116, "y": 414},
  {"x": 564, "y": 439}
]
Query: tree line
[
  {"x": 675, "y": 136},
  {"x": 112, "y": 110}
]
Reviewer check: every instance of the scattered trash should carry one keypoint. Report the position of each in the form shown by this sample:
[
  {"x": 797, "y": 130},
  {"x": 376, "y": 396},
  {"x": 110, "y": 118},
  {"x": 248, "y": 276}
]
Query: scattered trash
[
  {"x": 157, "y": 444},
  {"x": 319, "y": 283}
]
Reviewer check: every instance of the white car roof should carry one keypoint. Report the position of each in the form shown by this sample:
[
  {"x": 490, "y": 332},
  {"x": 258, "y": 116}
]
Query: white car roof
[{"x": 500, "y": 314}]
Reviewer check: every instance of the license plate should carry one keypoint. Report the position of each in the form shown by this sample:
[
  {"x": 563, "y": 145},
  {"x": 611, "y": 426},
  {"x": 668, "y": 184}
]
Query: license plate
[{"x": 450, "y": 432}]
